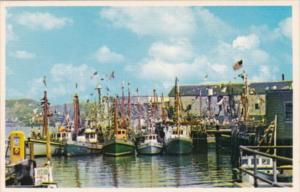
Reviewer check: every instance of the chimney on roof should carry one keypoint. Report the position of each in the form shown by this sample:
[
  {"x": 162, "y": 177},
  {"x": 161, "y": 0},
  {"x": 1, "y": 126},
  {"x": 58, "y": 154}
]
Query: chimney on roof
[{"x": 282, "y": 76}]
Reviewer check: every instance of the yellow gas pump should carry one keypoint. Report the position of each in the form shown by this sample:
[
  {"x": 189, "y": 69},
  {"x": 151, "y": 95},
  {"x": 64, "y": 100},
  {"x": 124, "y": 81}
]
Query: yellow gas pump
[{"x": 17, "y": 146}]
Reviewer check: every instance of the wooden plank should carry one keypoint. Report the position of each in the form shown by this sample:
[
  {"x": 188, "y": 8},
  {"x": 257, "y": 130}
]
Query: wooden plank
[
  {"x": 261, "y": 178},
  {"x": 267, "y": 155}
]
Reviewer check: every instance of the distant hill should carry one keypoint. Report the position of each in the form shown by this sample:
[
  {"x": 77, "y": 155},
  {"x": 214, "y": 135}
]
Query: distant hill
[{"x": 21, "y": 111}]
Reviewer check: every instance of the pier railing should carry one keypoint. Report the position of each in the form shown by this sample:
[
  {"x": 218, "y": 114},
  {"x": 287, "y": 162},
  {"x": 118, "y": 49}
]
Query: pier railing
[{"x": 255, "y": 151}]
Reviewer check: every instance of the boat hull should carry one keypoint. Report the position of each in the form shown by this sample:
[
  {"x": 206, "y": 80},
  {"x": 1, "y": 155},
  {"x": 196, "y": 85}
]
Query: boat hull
[
  {"x": 150, "y": 148},
  {"x": 118, "y": 148},
  {"x": 40, "y": 148},
  {"x": 78, "y": 149},
  {"x": 179, "y": 146}
]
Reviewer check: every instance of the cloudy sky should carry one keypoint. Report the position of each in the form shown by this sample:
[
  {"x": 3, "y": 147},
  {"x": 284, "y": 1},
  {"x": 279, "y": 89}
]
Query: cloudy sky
[{"x": 146, "y": 46}]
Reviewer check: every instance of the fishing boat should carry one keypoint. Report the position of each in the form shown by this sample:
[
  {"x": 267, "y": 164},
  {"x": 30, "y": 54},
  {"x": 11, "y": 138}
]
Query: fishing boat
[
  {"x": 151, "y": 145},
  {"x": 39, "y": 147},
  {"x": 118, "y": 143},
  {"x": 81, "y": 144},
  {"x": 178, "y": 136},
  {"x": 39, "y": 140}
]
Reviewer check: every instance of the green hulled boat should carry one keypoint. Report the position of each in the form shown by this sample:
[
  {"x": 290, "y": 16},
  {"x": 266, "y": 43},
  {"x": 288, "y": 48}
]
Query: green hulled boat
[
  {"x": 179, "y": 141},
  {"x": 178, "y": 137},
  {"x": 118, "y": 147},
  {"x": 119, "y": 143}
]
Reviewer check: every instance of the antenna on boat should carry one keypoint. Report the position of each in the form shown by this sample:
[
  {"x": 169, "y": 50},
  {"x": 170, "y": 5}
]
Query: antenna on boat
[
  {"x": 129, "y": 105},
  {"x": 116, "y": 114},
  {"x": 98, "y": 88},
  {"x": 139, "y": 109},
  {"x": 122, "y": 106}
]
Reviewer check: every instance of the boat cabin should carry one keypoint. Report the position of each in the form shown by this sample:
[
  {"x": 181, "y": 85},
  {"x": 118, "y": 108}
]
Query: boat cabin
[
  {"x": 90, "y": 135},
  {"x": 62, "y": 134},
  {"x": 150, "y": 137},
  {"x": 177, "y": 132},
  {"x": 121, "y": 134}
]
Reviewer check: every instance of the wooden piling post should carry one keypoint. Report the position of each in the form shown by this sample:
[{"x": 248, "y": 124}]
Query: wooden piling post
[
  {"x": 31, "y": 150},
  {"x": 255, "y": 170}
]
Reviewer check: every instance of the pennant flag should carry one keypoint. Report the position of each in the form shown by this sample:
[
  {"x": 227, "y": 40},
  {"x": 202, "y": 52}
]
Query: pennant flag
[
  {"x": 112, "y": 76},
  {"x": 94, "y": 74},
  {"x": 237, "y": 65},
  {"x": 205, "y": 77},
  {"x": 44, "y": 81}
]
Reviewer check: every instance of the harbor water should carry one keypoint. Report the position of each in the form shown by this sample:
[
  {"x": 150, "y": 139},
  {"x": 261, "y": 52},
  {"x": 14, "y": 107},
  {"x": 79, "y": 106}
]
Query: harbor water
[{"x": 210, "y": 167}]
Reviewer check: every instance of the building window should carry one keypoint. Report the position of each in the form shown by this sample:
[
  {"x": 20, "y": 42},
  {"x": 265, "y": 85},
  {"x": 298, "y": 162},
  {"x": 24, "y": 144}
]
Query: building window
[
  {"x": 256, "y": 106},
  {"x": 289, "y": 111}
]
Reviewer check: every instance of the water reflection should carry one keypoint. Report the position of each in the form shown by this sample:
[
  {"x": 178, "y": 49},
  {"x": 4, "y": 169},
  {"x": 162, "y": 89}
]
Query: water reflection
[{"x": 207, "y": 168}]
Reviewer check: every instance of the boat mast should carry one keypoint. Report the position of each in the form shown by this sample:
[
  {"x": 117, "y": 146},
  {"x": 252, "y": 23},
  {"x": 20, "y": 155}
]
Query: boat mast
[
  {"x": 139, "y": 109},
  {"x": 154, "y": 105},
  {"x": 129, "y": 106},
  {"x": 122, "y": 107},
  {"x": 116, "y": 115},
  {"x": 76, "y": 114},
  {"x": 176, "y": 104},
  {"x": 99, "y": 111},
  {"x": 46, "y": 114},
  {"x": 246, "y": 93},
  {"x": 163, "y": 114}
]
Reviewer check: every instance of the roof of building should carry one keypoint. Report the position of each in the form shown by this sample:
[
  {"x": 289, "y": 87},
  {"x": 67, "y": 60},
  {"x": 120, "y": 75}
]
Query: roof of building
[{"x": 230, "y": 88}]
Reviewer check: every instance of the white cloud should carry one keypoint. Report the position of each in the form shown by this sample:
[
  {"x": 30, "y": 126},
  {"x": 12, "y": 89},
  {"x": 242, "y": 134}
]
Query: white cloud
[
  {"x": 166, "y": 21},
  {"x": 212, "y": 24},
  {"x": 10, "y": 33},
  {"x": 36, "y": 88},
  {"x": 168, "y": 60},
  {"x": 69, "y": 72},
  {"x": 22, "y": 54},
  {"x": 42, "y": 21},
  {"x": 61, "y": 81},
  {"x": 105, "y": 55},
  {"x": 285, "y": 27},
  {"x": 263, "y": 72},
  {"x": 246, "y": 42},
  {"x": 283, "y": 30},
  {"x": 179, "y": 50}
]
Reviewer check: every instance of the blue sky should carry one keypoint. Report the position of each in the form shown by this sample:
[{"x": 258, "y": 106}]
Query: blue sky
[{"x": 146, "y": 46}]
